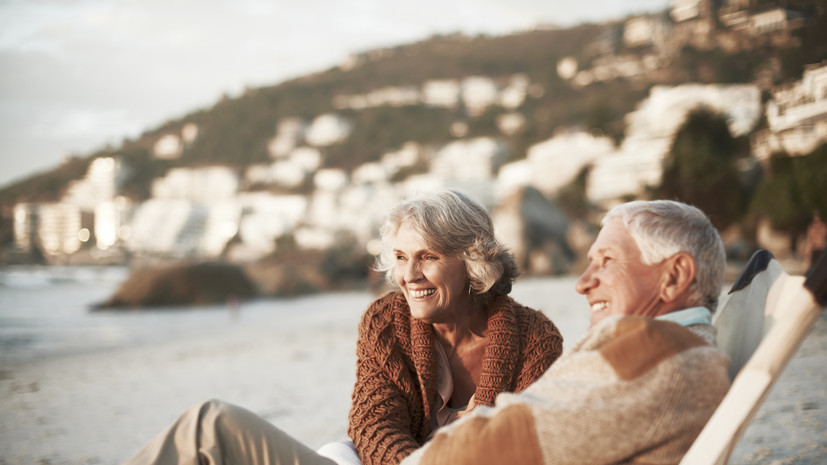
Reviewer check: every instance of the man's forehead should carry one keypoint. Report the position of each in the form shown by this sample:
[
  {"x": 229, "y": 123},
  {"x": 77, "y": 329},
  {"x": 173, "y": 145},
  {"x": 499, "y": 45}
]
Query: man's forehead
[{"x": 613, "y": 237}]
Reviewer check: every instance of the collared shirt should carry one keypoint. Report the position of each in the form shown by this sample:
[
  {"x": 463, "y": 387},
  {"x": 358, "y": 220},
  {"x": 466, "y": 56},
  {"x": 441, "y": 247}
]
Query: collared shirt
[{"x": 690, "y": 316}]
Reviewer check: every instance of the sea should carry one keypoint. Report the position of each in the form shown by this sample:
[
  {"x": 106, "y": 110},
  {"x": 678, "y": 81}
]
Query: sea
[{"x": 48, "y": 311}]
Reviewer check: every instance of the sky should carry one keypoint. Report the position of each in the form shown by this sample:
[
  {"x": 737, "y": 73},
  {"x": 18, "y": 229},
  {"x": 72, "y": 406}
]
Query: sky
[{"x": 77, "y": 75}]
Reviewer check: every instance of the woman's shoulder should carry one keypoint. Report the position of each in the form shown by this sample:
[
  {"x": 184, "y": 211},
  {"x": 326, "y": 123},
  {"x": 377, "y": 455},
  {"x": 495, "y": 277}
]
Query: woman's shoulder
[
  {"x": 386, "y": 305},
  {"x": 387, "y": 309}
]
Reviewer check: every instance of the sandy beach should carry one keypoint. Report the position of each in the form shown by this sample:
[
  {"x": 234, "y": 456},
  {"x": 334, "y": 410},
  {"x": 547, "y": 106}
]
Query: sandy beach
[{"x": 292, "y": 362}]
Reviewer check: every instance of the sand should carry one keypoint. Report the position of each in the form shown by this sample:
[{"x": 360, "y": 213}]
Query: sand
[{"x": 297, "y": 371}]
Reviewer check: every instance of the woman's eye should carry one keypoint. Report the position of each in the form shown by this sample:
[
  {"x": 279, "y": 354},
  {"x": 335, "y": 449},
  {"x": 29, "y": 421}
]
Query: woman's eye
[{"x": 431, "y": 257}]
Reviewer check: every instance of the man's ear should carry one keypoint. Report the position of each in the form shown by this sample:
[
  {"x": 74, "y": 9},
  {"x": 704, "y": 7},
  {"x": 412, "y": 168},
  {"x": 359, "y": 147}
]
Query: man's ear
[{"x": 679, "y": 273}]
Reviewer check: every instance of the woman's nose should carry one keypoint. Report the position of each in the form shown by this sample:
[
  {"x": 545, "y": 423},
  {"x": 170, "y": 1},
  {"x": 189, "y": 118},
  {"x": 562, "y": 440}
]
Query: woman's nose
[
  {"x": 586, "y": 281},
  {"x": 412, "y": 271}
]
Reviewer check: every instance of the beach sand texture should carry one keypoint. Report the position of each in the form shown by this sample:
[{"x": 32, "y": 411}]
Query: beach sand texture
[{"x": 296, "y": 369}]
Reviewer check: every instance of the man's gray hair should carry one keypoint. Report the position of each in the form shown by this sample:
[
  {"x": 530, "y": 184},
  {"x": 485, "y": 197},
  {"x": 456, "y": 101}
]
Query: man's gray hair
[
  {"x": 662, "y": 228},
  {"x": 453, "y": 224}
]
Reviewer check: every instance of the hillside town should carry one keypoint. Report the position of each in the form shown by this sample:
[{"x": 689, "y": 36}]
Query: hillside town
[{"x": 207, "y": 212}]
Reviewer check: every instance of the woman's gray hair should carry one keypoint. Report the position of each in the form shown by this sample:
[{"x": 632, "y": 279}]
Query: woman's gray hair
[
  {"x": 662, "y": 228},
  {"x": 453, "y": 224}
]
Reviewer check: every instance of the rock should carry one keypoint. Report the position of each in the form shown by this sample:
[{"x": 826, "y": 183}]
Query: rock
[
  {"x": 182, "y": 285},
  {"x": 296, "y": 272},
  {"x": 535, "y": 230}
]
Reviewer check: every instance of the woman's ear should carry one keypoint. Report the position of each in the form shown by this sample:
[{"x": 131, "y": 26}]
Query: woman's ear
[{"x": 679, "y": 272}]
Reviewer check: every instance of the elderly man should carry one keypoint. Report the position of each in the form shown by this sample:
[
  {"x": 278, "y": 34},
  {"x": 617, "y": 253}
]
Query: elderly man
[{"x": 643, "y": 381}]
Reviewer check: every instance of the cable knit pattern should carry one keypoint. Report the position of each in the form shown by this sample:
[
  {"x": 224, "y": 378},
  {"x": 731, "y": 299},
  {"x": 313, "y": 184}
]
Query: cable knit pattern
[{"x": 396, "y": 372}]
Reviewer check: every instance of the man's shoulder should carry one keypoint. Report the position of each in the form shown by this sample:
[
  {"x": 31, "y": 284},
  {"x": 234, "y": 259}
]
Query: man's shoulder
[{"x": 633, "y": 345}]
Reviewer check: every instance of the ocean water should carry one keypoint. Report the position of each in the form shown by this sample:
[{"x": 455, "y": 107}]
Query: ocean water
[{"x": 47, "y": 312}]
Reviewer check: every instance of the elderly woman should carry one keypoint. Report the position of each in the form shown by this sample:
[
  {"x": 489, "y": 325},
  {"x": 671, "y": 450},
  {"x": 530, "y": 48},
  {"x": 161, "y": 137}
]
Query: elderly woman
[{"x": 447, "y": 340}]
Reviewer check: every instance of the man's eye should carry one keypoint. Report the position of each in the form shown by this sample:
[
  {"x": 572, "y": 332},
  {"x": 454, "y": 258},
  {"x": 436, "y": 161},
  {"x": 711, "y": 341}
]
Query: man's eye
[{"x": 605, "y": 261}]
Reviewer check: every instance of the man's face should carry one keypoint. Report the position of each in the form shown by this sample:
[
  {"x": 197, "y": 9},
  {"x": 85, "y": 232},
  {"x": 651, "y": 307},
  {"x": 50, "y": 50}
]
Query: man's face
[{"x": 617, "y": 282}]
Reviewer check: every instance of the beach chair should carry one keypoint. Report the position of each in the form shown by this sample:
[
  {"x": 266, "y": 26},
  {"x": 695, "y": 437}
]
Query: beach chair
[{"x": 761, "y": 322}]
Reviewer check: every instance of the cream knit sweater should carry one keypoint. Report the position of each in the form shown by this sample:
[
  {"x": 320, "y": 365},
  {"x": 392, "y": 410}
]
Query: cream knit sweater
[{"x": 633, "y": 390}]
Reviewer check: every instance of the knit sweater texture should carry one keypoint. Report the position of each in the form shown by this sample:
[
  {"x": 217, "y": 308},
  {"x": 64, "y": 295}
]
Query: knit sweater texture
[
  {"x": 633, "y": 390},
  {"x": 396, "y": 372}
]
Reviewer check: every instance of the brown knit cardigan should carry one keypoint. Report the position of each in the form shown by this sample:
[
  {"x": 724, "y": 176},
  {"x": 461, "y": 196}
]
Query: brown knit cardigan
[{"x": 396, "y": 371}]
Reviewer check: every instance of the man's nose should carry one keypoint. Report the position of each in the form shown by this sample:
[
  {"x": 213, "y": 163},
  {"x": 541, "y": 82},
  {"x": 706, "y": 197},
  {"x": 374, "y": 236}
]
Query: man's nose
[{"x": 586, "y": 281}]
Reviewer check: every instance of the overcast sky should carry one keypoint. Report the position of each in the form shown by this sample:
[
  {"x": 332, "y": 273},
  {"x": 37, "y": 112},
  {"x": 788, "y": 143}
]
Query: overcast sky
[{"x": 76, "y": 75}]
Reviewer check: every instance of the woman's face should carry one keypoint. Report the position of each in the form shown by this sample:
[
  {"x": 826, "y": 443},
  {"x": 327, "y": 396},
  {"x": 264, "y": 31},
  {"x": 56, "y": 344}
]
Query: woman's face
[{"x": 435, "y": 285}]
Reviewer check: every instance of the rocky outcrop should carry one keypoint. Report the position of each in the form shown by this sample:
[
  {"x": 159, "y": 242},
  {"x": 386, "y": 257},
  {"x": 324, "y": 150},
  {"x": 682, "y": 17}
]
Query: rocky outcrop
[
  {"x": 296, "y": 272},
  {"x": 182, "y": 285},
  {"x": 536, "y": 231}
]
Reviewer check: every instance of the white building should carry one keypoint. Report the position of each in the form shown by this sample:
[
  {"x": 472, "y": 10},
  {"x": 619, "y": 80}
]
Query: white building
[
  {"x": 111, "y": 222},
  {"x": 205, "y": 184},
  {"x": 327, "y": 129},
  {"x": 385, "y": 96},
  {"x": 776, "y": 19},
  {"x": 441, "y": 93},
  {"x": 192, "y": 212},
  {"x": 25, "y": 226},
  {"x": 266, "y": 217},
  {"x": 157, "y": 224},
  {"x": 466, "y": 164},
  {"x": 289, "y": 134},
  {"x": 515, "y": 92},
  {"x": 288, "y": 171},
  {"x": 469, "y": 159},
  {"x": 567, "y": 67},
  {"x": 168, "y": 147},
  {"x": 511, "y": 123},
  {"x": 796, "y": 116},
  {"x": 330, "y": 180},
  {"x": 59, "y": 228},
  {"x": 100, "y": 184},
  {"x": 638, "y": 31},
  {"x": 684, "y": 10},
  {"x": 408, "y": 156},
  {"x": 651, "y": 128},
  {"x": 189, "y": 133},
  {"x": 478, "y": 93},
  {"x": 554, "y": 163}
]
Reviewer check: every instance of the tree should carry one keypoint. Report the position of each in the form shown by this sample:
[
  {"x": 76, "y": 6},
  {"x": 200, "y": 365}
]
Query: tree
[
  {"x": 700, "y": 168},
  {"x": 792, "y": 191}
]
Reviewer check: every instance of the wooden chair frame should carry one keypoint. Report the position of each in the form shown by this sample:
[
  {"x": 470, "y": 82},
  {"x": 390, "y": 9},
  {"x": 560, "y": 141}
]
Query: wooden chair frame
[{"x": 791, "y": 307}]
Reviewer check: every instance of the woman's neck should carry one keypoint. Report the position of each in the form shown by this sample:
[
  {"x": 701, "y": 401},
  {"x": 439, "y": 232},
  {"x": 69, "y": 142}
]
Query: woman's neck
[
  {"x": 469, "y": 324},
  {"x": 464, "y": 341}
]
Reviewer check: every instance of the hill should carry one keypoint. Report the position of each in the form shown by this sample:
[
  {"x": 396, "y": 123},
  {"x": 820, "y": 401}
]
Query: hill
[{"x": 236, "y": 131}]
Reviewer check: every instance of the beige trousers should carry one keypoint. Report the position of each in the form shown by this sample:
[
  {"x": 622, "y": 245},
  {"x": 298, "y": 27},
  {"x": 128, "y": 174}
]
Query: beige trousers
[{"x": 217, "y": 433}]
